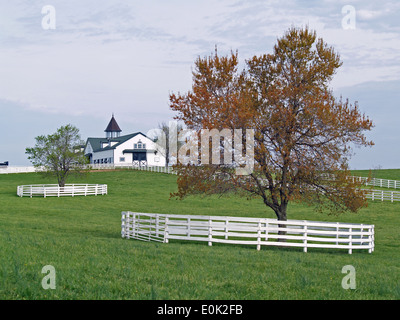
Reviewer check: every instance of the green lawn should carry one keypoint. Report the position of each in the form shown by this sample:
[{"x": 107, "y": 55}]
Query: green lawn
[
  {"x": 390, "y": 174},
  {"x": 81, "y": 238}
]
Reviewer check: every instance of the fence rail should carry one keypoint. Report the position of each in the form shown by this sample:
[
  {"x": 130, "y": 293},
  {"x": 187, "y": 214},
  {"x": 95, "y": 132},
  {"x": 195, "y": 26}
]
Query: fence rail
[
  {"x": 54, "y": 190},
  {"x": 247, "y": 231}
]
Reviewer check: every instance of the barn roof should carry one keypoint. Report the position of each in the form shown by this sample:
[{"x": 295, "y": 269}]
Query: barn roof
[{"x": 97, "y": 143}]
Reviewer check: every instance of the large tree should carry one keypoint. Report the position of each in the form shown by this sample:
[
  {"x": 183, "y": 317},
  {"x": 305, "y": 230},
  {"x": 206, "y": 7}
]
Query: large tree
[
  {"x": 59, "y": 154},
  {"x": 303, "y": 135}
]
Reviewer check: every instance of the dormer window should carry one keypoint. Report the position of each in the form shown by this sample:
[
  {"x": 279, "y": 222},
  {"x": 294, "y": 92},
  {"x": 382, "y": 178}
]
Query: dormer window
[{"x": 139, "y": 145}]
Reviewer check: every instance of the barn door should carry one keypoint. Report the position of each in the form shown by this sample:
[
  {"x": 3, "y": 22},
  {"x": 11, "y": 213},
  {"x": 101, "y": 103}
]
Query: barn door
[{"x": 139, "y": 159}]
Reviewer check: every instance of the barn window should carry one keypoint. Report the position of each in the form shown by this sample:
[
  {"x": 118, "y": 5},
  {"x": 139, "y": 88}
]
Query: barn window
[{"x": 139, "y": 145}]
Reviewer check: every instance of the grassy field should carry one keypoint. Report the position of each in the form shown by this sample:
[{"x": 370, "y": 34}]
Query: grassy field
[
  {"x": 390, "y": 174},
  {"x": 81, "y": 238}
]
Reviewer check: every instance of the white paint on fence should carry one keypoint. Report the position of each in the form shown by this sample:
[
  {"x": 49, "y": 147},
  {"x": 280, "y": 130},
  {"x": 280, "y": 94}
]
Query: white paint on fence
[
  {"x": 54, "y": 190},
  {"x": 247, "y": 231}
]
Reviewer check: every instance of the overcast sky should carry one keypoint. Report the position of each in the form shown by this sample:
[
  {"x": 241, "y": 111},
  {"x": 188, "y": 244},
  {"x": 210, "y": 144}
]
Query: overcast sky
[{"x": 126, "y": 57}]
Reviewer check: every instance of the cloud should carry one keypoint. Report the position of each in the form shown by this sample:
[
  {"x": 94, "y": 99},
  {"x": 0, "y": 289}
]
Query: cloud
[{"x": 126, "y": 57}]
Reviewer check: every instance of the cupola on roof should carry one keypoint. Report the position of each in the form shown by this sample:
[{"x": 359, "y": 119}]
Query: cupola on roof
[
  {"x": 113, "y": 126},
  {"x": 113, "y": 130}
]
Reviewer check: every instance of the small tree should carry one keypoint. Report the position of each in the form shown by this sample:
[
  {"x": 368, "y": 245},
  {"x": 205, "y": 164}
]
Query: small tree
[
  {"x": 302, "y": 134},
  {"x": 59, "y": 154}
]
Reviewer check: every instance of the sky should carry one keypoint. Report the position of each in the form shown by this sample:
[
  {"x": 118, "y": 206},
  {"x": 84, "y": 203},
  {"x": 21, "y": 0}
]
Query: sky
[{"x": 79, "y": 62}]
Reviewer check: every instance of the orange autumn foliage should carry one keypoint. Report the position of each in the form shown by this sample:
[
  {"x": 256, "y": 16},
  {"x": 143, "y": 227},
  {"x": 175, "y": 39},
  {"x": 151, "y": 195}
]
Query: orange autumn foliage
[{"x": 302, "y": 134}]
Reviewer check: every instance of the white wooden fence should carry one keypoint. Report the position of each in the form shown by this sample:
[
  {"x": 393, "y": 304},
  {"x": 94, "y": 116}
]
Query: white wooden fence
[
  {"x": 247, "y": 231},
  {"x": 8, "y": 169},
  {"x": 383, "y": 195},
  {"x": 5, "y": 170},
  {"x": 383, "y": 183},
  {"x": 54, "y": 190},
  {"x": 168, "y": 170}
]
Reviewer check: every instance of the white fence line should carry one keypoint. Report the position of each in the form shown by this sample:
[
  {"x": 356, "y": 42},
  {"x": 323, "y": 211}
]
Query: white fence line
[
  {"x": 371, "y": 194},
  {"x": 6, "y": 170},
  {"x": 383, "y": 195},
  {"x": 247, "y": 231},
  {"x": 29, "y": 169},
  {"x": 383, "y": 183},
  {"x": 54, "y": 190},
  {"x": 163, "y": 169}
]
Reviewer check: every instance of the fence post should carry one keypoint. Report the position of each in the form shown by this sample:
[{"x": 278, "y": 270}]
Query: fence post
[
  {"x": 210, "y": 232},
  {"x": 157, "y": 223},
  {"x": 259, "y": 236},
  {"x": 135, "y": 224},
  {"x": 373, "y": 237},
  {"x": 150, "y": 226},
  {"x": 128, "y": 225},
  {"x": 337, "y": 233},
  {"x": 166, "y": 232},
  {"x": 188, "y": 227},
  {"x": 350, "y": 241},
  {"x": 123, "y": 224},
  {"x": 370, "y": 239},
  {"x": 305, "y": 236}
]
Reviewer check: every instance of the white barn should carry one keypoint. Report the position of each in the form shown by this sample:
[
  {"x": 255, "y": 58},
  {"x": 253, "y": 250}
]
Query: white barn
[{"x": 133, "y": 149}]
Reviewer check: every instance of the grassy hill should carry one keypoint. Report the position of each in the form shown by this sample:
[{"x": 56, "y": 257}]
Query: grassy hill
[{"x": 81, "y": 238}]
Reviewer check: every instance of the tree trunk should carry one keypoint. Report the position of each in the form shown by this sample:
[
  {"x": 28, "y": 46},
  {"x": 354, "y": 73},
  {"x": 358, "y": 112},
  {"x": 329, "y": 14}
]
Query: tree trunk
[
  {"x": 61, "y": 183},
  {"x": 281, "y": 216}
]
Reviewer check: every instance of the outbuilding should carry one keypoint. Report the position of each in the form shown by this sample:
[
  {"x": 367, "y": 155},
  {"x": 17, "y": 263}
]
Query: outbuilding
[{"x": 132, "y": 149}]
